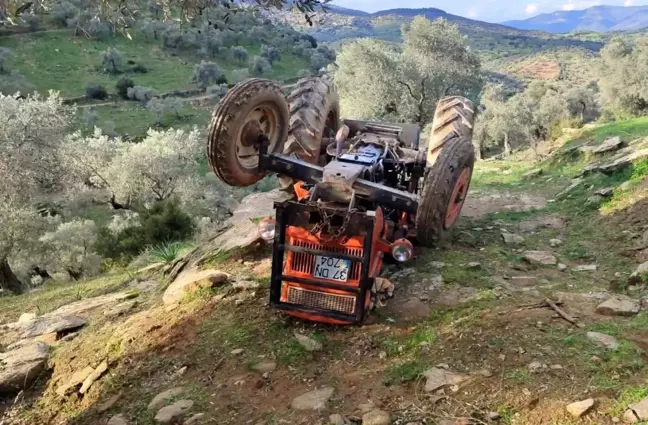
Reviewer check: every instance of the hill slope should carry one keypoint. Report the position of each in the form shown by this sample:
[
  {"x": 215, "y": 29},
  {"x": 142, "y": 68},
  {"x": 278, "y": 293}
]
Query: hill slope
[
  {"x": 597, "y": 18},
  {"x": 341, "y": 25}
]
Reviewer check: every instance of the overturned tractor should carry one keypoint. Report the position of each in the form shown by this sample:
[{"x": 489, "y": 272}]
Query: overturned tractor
[{"x": 363, "y": 191}]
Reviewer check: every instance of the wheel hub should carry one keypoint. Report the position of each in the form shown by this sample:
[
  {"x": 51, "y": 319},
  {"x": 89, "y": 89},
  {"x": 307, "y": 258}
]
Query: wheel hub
[{"x": 457, "y": 199}]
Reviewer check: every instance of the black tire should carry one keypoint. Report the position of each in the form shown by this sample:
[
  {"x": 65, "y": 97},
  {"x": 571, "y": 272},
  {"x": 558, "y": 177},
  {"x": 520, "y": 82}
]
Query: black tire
[
  {"x": 444, "y": 190},
  {"x": 247, "y": 100},
  {"x": 314, "y": 115},
  {"x": 454, "y": 117}
]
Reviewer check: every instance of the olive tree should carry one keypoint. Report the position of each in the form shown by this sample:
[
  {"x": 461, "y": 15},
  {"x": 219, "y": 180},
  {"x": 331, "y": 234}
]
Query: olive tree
[
  {"x": 71, "y": 248},
  {"x": 160, "y": 166},
  {"x": 260, "y": 66},
  {"x": 624, "y": 74},
  {"x": 377, "y": 79},
  {"x": 240, "y": 54},
  {"x": 111, "y": 61},
  {"x": 271, "y": 53},
  {"x": 31, "y": 136},
  {"x": 206, "y": 73}
]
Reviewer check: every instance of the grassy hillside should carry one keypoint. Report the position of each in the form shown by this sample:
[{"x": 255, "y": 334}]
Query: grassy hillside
[{"x": 56, "y": 60}]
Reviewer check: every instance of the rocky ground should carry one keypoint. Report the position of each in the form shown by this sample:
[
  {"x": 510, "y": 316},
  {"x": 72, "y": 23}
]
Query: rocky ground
[{"x": 532, "y": 312}]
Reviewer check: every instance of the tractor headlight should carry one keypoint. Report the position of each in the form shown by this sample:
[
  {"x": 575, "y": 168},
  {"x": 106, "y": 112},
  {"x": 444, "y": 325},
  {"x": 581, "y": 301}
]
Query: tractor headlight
[
  {"x": 267, "y": 229},
  {"x": 402, "y": 250}
]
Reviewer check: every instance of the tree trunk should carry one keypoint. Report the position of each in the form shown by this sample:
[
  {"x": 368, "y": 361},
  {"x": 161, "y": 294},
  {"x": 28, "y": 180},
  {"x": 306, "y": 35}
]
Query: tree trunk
[
  {"x": 8, "y": 280},
  {"x": 507, "y": 145},
  {"x": 479, "y": 149}
]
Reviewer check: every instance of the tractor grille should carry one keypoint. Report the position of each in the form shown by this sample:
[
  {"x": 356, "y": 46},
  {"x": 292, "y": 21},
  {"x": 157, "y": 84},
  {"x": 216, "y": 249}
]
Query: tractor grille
[
  {"x": 304, "y": 262},
  {"x": 321, "y": 300}
]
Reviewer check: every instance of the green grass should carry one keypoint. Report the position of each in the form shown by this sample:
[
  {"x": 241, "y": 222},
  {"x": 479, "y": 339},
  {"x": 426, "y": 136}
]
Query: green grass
[
  {"x": 53, "y": 295},
  {"x": 405, "y": 372},
  {"x": 626, "y": 130},
  {"x": 56, "y": 60},
  {"x": 167, "y": 252}
]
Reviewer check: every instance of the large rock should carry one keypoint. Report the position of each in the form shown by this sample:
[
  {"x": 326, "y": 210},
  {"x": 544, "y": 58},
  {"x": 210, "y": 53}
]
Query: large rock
[
  {"x": 619, "y": 305},
  {"x": 96, "y": 374},
  {"x": 610, "y": 145},
  {"x": 313, "y": 400},
  {"x": 437, "y": 378},
  {"x": 376, "y": 417},
  {"x": 639, "y": 275},
  {"x": 637, "y": 412},
  {"x": 163, "y": 398},
  {"x": 308, "y": 343},
  {"x": 117, "y": 420},
  {"x": 533, "y": 173},
  {"x": 174, "y": 411},
  {"x": 84, "y": 307},
  {"x": 52, "y": 324},
  {"x": 541, "y": 258},
  {"x": 192, "y": 280},
  {"x": 19, "y": 368},
  {"x": 512, "y": 238},
  {"x": 579, "y": 408},
  {"x": 77, "y": 379},
  {"x": 605, "y": 341},
  {"x": 259, "y": 205}
]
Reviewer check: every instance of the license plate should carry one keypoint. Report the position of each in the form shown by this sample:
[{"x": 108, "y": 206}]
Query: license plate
[{"x": 332, "y": 268}]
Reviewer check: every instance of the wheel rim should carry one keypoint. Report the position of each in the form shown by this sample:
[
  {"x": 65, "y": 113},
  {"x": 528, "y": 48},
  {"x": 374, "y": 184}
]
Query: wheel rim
[
  {"x": 262, "y": 120},
  {"x": 457, "y": 199}
]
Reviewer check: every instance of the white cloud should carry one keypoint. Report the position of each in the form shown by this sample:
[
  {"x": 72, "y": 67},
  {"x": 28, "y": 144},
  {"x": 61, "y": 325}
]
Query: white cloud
[
  {"x": 628, "y": 3},
  {"x": 531, "y": 8},
  {"x": 473, "y": 12},
  {"x": 582, "y": 4}
]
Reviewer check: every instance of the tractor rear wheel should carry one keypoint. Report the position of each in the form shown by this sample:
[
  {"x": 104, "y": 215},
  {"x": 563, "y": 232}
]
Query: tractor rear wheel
[
  {"x": 314, "y": 116},
  {"x": 252, "y": 108},
  {"x": 450, "y": 162}
]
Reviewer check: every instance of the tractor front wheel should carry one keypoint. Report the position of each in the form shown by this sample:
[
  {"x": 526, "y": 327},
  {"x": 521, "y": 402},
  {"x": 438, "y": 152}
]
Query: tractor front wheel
[
  {"x": 251, "y": 109},
  {"x": 444, "y": 190}
]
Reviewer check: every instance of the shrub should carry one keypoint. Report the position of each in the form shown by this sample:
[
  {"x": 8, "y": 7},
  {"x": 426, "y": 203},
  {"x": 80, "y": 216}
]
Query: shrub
[
  {"x": 142, "y": 94},
  {"x": 164, "y": 222},
  {"x": 139, "y": 68},
  {"x": 91, "y": 118},
  {"x": 239, "y": 75},
  {"x": 260, "y": 66},
  {"x": 31, "y": 21},
  {"x": 111, "y": 60},
  {"x": 303, "y": 73},
  {"x": 62, "y": 12},
  {"x": 240, "y": 54},
  {"x": 96, "y": 91},
  {"x": 96, "y": 29},
  {"x": 207, "y": 73},
  {"x": 271, "y": 53},
  {"x": 166, "y": 252},
  {"x": 4, "y": 55},
  {"x": 123, "y": 85}
]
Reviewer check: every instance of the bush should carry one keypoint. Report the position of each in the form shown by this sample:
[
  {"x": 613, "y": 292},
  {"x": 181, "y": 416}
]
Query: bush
[
  {"x": 272, "y": 54},
  {"x": 62, "y": 12},
  {"x": 139, "y": 68},
  {"x": 142, "y": 94},
  {"x": 207, "y": 73},
  {"x": 303, "y": 73},
  {"x": 96, "y": 91},
  {"x": 111, "y": 61},
  {"x": 240, "y": 54},
  {"x": 96, "y": 29},
  {"x": 260, "y": 66},
  {"x": 31, "y": 21},
  {"x": 239, "y": 75},
  {"x": 123, "y": 85},
  {"x": 4, "y": 55},
  {"x": 164, "y": 222}
]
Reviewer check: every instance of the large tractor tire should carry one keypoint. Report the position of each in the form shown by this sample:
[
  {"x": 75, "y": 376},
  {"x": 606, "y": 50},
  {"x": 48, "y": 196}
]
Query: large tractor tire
[
  {"x": 314, "y": 116},
  {"x": 250, "y": 109},
  {"x": 450, "y": 163}
]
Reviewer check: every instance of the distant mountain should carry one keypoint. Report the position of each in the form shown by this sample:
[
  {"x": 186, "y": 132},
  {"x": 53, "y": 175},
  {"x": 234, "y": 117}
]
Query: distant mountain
[
  {"x": 597, "y": 18},
  {"x": 340, "y": 25}
]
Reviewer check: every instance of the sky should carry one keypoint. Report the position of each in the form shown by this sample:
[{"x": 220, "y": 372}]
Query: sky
[{"x": 487, "y": 10}]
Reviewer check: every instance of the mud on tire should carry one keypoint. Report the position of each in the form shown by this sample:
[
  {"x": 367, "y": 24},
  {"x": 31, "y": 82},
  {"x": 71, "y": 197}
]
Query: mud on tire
[
  {"x": 254, "y": 103},
  {"x": 454, "y": 117},
  {"x": 314, "y": 115}
]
